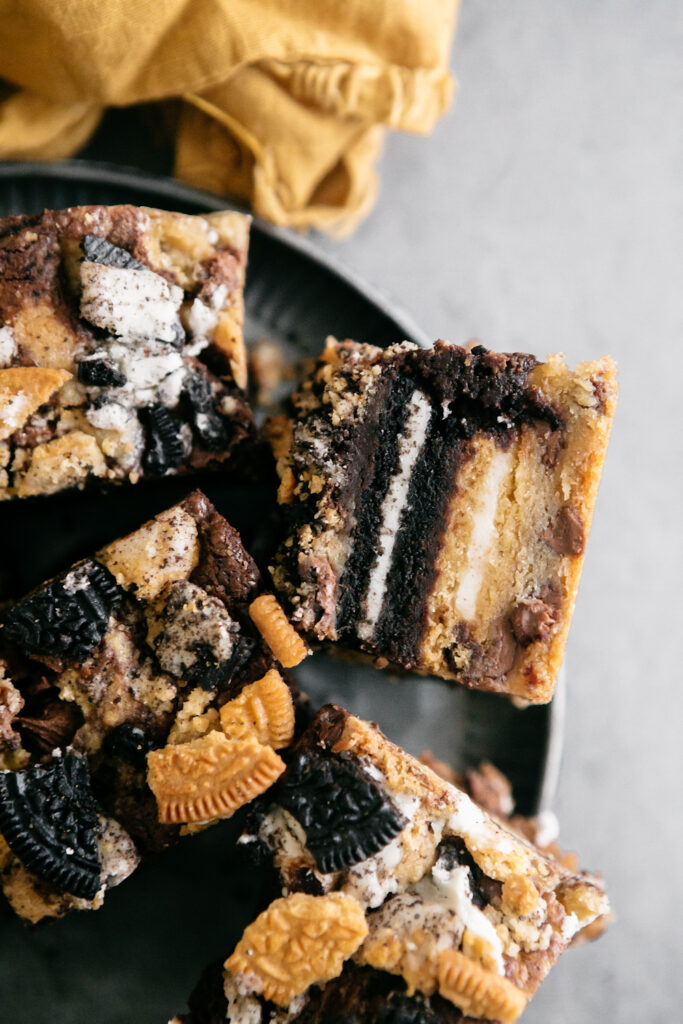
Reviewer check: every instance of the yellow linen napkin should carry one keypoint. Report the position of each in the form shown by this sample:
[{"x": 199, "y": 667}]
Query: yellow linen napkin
[{"x": 285, "y": 102}]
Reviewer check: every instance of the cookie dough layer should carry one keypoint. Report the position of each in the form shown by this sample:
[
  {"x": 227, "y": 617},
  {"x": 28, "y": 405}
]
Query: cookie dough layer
[
  {"x": 437, "y": 505},
  {"x": 431, "y": 909},
  {"x": 139, "y": 699},
  {"x": 121, "y": 345}
]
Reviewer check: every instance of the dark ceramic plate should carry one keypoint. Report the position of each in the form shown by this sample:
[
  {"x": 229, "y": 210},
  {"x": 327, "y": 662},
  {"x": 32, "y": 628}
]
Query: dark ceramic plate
[{"x": 137, "y": 958}]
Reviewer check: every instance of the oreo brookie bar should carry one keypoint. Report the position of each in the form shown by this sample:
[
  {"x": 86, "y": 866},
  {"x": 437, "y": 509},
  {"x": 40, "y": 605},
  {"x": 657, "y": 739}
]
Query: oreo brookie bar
[
  {"x": 403, "y": 900},
  {"x": 143, "y": 693},
  {"x": 121, "y": 345},
  {"x": 437, "y": 504}
]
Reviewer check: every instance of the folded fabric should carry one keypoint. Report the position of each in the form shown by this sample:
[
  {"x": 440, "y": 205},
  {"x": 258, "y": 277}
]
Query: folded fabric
[{"x": 285, "y": 102}]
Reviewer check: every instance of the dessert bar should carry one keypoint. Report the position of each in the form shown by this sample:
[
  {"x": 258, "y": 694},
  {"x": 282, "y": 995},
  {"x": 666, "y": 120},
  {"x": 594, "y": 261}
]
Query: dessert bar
[
  {"x": 144, "y": 693},
  {"x": 121, "y": 345},
  {"x": 401, "y": 898},
  {"x": 436, "y": 506}
]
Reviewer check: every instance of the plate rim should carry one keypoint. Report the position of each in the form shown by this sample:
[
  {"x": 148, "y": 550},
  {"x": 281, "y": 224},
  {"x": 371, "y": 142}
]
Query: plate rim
[{"x": 95, "y": 172}]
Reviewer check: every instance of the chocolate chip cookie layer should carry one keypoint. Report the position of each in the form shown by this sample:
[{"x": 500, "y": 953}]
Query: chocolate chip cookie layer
[
  {"x": 144, "y": 694},
  {"x": 437, "y": 504},
  {"x": 121, "y": 345},
  {"x": 443, "y": 917}
]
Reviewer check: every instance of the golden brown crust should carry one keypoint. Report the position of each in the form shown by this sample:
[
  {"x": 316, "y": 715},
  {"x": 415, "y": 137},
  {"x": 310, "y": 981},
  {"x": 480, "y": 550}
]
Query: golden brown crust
[{"x": 298, "y": 941}]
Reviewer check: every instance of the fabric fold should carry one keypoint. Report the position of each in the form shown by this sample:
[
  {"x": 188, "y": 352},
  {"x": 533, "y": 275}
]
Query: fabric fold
[{"x": 285, "y": 104}]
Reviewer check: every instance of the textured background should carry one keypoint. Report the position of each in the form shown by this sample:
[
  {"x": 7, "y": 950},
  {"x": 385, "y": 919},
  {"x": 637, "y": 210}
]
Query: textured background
[{"x": 546, "y": 213}]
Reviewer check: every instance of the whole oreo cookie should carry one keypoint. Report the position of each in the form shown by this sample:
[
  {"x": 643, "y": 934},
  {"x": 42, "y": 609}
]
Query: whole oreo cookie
[
  {"x": 48, "y": 818},
  {"x": 165, "y": 449},
  {"x": 346, "y": 816},
  {"x": 66, "y": 617}
]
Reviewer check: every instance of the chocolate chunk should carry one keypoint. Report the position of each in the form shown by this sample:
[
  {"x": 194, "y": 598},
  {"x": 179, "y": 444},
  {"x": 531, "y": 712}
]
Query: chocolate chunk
[
  {"x": 99, "y": 373},
  {"x": 565, "y": 534},
  {"x": 165, "y": 449},
  {"x": 55, "y": 726},
  {"x": 501, "y": 651},
  {"x": 68, "y": 616},
  {"x": 48, "y": 818},
  {"x": 99, "y": 250},
  {"x": 344, "y": 812},
  {"x": 207, "y": 423},
  {"x": 532, "y": 620},
  {"x": 224, "y": 570}
]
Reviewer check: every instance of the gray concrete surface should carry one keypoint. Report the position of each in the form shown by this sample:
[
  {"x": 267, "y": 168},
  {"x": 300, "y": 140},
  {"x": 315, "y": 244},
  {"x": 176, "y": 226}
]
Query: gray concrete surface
[{"x": 546, "y": 213}]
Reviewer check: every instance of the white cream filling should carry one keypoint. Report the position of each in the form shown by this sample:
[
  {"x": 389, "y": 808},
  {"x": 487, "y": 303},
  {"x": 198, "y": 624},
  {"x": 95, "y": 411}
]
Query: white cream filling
[
  {"x": 130, "y": 303},
  {"x": 483, "y": 533},
  {"x": 453, "y": 887},
  {"x": 8, "y": 345},
  {"x": 410, "y": 445}
]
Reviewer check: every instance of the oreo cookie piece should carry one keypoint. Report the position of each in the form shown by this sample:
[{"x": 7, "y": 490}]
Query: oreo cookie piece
[
  {"x": 346, "y": 816},
  {"x": 211, "y": 674},
  {"x": 68, "y": 616},
  {"x": 99, "y": 373},
  {"x": 165, "y": 448},
  {"x": 99, "y": 250},
  {"x": 207, "y": 423},
  {"x": 129, "y": 743},
  {"x": 48, "y": 818},
  {"x": 451, "y": 853}
]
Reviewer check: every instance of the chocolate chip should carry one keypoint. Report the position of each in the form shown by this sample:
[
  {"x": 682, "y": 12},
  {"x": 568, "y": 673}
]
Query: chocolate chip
[
  {"x": 532, "y": 620},
  {"x": 48, "y": 818},
  {"x": 99, "y": 250},
  {"x": 565, "y": 534},
  {"x": 501, "y": 651}
]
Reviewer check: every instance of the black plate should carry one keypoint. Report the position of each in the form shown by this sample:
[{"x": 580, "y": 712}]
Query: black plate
[{"x": 137, "y": 958}]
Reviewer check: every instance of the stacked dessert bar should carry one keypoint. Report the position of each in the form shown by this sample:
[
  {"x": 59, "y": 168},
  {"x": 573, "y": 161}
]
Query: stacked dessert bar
[{"x": 434, "y": 511}]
